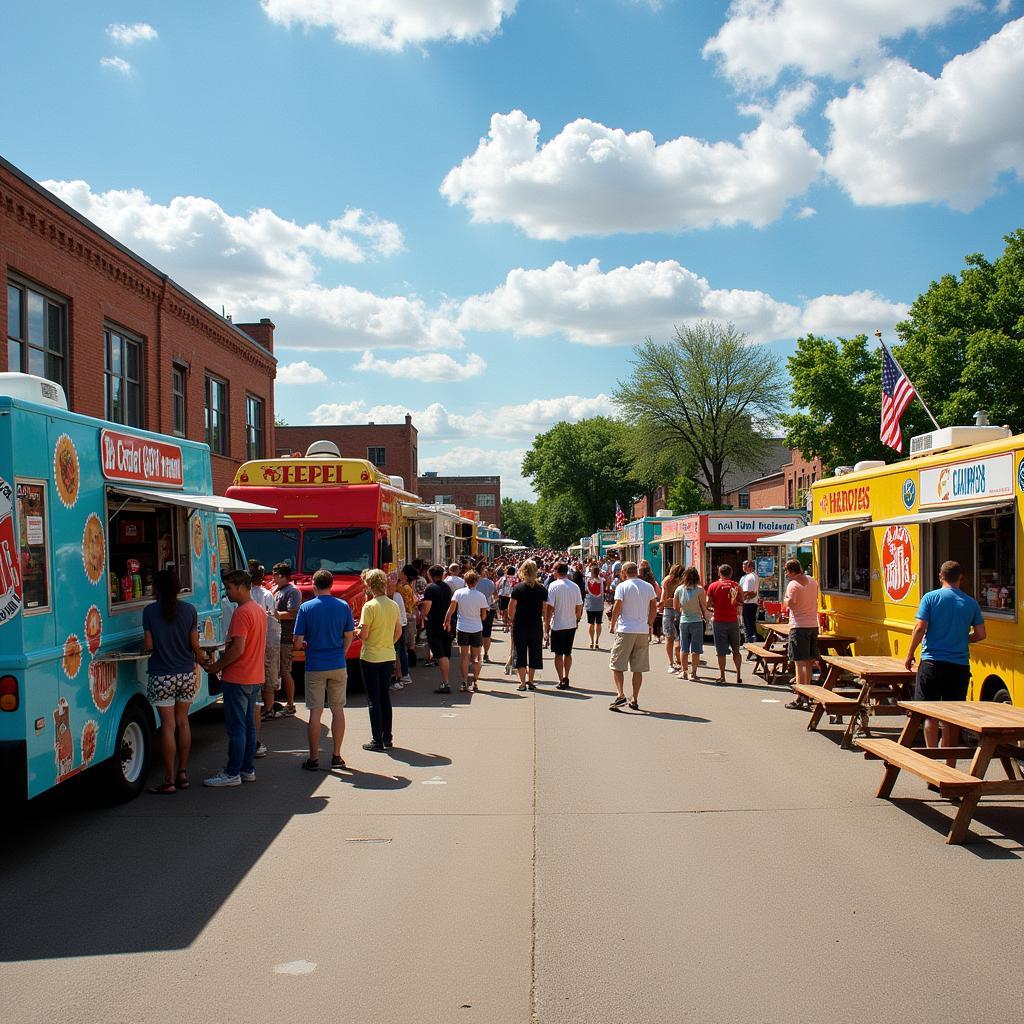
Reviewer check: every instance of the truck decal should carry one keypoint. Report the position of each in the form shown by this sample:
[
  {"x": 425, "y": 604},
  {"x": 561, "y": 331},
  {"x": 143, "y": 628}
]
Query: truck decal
[
  {"x": 11, "y": 593},
  {"x": 66, "y": 471}
]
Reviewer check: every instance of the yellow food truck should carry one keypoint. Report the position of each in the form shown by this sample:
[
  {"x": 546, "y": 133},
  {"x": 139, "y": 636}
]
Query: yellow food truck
[{"x": 880, "y": 533}]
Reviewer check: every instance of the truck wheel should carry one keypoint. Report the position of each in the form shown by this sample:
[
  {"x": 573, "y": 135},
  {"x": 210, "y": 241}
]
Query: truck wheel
[
  {"x": 1001, "y": 696},
  {"x": 126, "y": 768}
]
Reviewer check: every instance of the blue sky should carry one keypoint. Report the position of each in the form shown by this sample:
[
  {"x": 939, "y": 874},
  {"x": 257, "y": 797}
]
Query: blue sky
[{"x": 472, "y": 209}]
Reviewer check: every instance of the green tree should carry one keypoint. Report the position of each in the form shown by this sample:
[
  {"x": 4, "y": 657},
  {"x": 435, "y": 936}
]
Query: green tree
[
  {"x": 517, "y": 519},
  {"x": 280, "y": 421},
  {"x": 685, "y": 496},
  {"x": 650, "y": 464},
  {"x": 582, "y": 463},
  {"x": 559, "y": 521},
  {"x": 707, "y": 397}
]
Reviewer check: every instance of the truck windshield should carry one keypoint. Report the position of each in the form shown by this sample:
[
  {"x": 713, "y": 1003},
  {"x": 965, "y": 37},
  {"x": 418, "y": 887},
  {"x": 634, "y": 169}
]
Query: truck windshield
[
  {"x": 271, "y": 546},
  {"x": 347, "y": 550}
]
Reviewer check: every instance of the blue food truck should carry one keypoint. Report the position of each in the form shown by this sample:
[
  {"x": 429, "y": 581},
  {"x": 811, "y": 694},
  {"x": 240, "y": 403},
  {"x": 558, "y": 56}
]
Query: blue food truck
[{"x": 89, "y": 511}]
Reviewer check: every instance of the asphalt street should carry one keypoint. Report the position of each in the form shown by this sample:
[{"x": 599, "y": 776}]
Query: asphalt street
[{"x": 520, "y": 858}]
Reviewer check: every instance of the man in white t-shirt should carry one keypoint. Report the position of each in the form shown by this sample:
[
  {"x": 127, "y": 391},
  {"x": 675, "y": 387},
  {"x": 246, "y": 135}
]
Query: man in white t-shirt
[
  {"x": 471, "y": 607},
  {"x": 562, "y": 612},
  {"x": 633, "y": 612},
  {"x": 748, "y": 593},
  {"x": 455, "y": 582}
]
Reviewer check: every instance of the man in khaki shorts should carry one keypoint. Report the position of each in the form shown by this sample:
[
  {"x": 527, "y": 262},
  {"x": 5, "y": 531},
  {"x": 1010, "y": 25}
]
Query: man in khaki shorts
[
  {"x": 324, "y": 628},
  {"x": 633, "y": 612}
]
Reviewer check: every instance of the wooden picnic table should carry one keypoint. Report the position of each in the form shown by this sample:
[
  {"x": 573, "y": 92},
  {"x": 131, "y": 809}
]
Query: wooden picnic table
[
  {"x": 999, "y": 727},
  {"x": 874, "y": 685},
  {"x": 771, "y": 659}
]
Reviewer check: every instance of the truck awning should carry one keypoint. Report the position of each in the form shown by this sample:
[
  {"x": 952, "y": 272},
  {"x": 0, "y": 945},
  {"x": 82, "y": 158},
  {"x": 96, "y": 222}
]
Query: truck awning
[
  {"x": 815, "y": 530},
  {"x": 207, "y": 502},
  {"x": 937, "y": 515}
]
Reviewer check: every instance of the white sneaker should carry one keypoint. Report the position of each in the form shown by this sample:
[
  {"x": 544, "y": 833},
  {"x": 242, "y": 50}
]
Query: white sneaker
[
  {"x": 223, "y": 779},
  {"x": 247, "y": 776},
  {"x": 406, "y": 680},
  {"x": 672, "y": 669},
  {"x": 396, "y": 686},
  {"x": 261, "y": 750}
]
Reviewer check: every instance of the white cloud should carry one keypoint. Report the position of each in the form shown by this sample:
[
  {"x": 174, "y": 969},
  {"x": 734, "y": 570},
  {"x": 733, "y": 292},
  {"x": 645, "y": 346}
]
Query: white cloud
[
  {"x": 805, "y": 212},
  {"x": 263, "y": 264},
  {"x": 761, "y": 38},
  {"x": 300, "y": 373},
  {"x": 622, "y": 306},
  {"x": 789, "y": 105},
  {"x": 593, "y": 180},
  {"x": 394, "y": 24},
  {"x": 471, "y": 461},
  {"x": 906, "y": 137},
  {"x": 844, "y": 316},
  {"x": 436, "y": 423},
  {"x": 431, "y": 368},
  {"x": 126, "y": 35},
  {"x": 118, "y": 64}
]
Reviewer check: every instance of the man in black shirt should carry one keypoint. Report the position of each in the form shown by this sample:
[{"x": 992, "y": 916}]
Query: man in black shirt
[{"x": 434, "y": 606}]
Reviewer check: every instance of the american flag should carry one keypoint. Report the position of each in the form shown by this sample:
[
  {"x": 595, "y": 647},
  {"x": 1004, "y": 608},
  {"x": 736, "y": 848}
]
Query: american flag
[
  {"x": 620, "y": 517},
  {"x": 897, "y": 394}
]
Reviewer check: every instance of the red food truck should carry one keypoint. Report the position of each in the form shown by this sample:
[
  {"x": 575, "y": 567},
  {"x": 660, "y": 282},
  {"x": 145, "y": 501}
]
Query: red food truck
[{"x": 332, "y": 513}]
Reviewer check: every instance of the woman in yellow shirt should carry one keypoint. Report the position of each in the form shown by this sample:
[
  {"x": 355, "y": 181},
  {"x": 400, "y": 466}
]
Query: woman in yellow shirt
[{"x": 379, "y": 629}]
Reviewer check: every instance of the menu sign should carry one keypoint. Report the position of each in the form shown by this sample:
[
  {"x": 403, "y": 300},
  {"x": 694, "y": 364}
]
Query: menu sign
[
  {"x": 760, "y": 525},
  {"x": 968, "y": 481},
  {"x": 140, "y": 460}
]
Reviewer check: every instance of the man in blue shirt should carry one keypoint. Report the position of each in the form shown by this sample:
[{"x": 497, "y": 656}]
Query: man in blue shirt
[
  {"x": 943, "y": 630},
  {"x": 324, "y": 628}
]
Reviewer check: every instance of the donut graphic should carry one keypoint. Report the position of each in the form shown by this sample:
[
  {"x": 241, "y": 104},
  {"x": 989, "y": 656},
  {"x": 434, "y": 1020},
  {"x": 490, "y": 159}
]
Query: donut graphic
[
  {"x": 93, "y": 629},
  {"x": 102, "y": 683},
  {"x": 210, "y": 535},
  {"x": 72, "y": 661},
  {"x": 208, "y": 631},
  {"x": 214, "y": 593},
  {"x": 94, "y": 548},
  {"x": 66, "y": 471},
  {"x": 213, "y": 562},
  {"x": 89, "y": 733},
  {"x": 197, "y": 536}
]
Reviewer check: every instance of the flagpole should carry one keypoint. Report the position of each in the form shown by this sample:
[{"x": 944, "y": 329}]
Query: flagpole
[{"x": 917, "y": 394}]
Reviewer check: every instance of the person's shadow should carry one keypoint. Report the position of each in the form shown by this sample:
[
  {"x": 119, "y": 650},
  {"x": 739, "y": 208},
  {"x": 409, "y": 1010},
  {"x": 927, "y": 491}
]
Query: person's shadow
[{"x": 416, "y": 759}]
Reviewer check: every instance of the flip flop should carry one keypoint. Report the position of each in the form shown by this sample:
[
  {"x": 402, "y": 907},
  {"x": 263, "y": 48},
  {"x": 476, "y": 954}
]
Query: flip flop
[
  {"x": 164, "y": 789},
  {"x": 181, "y": 781}
]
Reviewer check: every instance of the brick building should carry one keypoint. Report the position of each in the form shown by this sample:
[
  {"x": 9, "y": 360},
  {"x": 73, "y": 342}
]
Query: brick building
[
  {"x": 480, "y": 492},
  {"x": 650, "y": 504},
  {"x": 392, "y": 447},
  {"x": 124, "y": 341},
  {"x": 784, "y": 488}
]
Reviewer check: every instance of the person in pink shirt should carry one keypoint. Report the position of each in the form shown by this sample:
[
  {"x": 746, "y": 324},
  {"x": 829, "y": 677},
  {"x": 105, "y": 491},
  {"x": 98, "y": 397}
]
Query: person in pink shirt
[{"x": 801, "y": 602}]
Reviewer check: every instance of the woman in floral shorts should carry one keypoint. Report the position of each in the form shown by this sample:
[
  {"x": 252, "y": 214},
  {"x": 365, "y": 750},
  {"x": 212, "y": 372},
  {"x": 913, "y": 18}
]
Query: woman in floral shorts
[{"x": 172, "y": 640}]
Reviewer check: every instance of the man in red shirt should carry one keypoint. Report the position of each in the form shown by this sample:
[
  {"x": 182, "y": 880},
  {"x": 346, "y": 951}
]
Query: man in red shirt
[
  {"x": 241, "y": 672},
  {"x": 725, "y": 597}
]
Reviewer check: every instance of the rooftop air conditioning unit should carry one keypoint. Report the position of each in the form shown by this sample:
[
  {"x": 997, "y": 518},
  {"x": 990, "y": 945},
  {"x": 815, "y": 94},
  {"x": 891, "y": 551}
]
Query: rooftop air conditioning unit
[
  {"x": 323, "y": 450},
  {"x": 664, "y": 513},
  {"x": 397, "y": 481},
  {"x": 947, "y": 438},
  {"x": 868, "y": 464},
  {"x": 30, "y": 388}
]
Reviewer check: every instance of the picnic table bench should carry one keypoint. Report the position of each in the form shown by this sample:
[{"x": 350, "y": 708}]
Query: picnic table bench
[
  {"x": 999, "y": 728},
  {"x": 876, "y": 683},
  {"x": 771, "y": 659},
  {"x": 768, "y": 663}
]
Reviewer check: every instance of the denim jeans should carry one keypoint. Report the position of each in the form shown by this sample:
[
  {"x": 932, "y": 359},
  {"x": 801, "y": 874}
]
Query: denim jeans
[
  {"x": 239, "y": 705},
  {"x": 377, "y": 683},
  {"x": 750, "y": 621},
  {"x": 403, "y": 655}
]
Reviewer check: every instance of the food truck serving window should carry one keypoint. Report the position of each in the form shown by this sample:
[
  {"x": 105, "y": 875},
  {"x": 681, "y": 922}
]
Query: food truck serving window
[
  {"x": 34, "y": 560},
  {"x": 986, "y": 546},
  {"x": 347, "y": 550},
  {"x": 144, "y": 537},
  {"x": 845, "y": 561}
]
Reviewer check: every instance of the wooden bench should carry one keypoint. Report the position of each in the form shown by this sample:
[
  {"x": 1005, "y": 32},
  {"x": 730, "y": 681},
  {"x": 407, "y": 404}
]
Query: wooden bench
[
  {"x": 767, "y": 663},
  {"x": 925, "y": 764}
]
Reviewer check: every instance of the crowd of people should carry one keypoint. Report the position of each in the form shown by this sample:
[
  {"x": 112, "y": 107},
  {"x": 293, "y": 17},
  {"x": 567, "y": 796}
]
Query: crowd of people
[{"x": 539, "y": 599}]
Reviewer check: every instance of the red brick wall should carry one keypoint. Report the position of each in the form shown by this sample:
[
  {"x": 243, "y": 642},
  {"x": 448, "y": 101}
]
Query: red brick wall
[
  {"x": 399, "y": 441},
  {"x": 800, "y": 474},
  {"x": 660, "y": 501},
  {"x": 463, "y": 491},
  {"x": 42, "y": 242}
]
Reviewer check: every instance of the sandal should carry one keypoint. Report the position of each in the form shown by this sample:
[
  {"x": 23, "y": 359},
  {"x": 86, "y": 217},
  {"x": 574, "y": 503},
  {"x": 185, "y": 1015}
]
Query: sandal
[
  {"x": 474, "y": 688},
  {"x": 523, "y": 686},
  {"x": 796, "y": 705},
  {"x": 463, "y": 688},
  {"x": 530, "y": 686},
  {"x": 181, "y": 780},
  {"x": 311, "y": 765},
  {"x": 338, "y": 762},
  {"x": 634, "y": 706},
  {"x": 164, "y": 789}
]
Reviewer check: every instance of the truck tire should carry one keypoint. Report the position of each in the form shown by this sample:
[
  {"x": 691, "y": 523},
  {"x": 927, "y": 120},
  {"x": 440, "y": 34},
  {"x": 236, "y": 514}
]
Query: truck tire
[{"x": 125, "y": 771}]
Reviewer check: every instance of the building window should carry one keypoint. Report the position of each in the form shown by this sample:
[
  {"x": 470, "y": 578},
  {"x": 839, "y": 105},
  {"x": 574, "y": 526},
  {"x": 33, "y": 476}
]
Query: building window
[
  {"x": 378, "y": 456},
  {"x": 122, "y": 371},
  {"x": 217, "y": 415},
  {"x": 846, "y": 562},
  {"x": 253, "y": 427},
  {"x": 744, "y": 499},
  {"x": 178, "y": 376},
  {"x": 444, "y": 499},
  {"x": 484, "y": 501},
  {"x": 37, "y": 333}
]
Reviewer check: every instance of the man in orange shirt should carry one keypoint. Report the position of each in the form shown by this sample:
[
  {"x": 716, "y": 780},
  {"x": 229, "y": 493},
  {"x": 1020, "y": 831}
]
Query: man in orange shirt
[{"x": 241, "y": 672}]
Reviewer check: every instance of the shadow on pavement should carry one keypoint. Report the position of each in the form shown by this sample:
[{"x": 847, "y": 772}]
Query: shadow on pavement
[
  {"x": 416, "y": 759},
  {"x": 150, "y": 874},
  {"x": 573, "y": 694},
  {"x": 1006, "y": 819}
]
